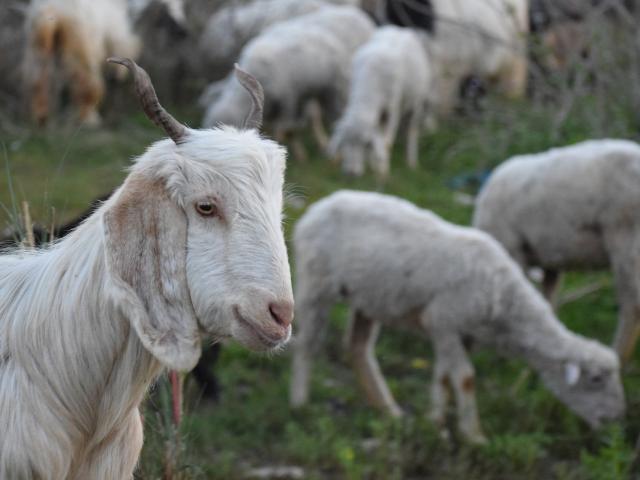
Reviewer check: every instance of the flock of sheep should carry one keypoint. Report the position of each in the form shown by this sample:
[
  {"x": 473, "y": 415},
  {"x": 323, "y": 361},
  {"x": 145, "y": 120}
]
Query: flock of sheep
[{"x": 191, "y": 245}]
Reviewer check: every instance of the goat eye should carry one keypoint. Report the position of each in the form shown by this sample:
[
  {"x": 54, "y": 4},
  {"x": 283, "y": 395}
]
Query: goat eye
[{"x": 206, "y": 209}]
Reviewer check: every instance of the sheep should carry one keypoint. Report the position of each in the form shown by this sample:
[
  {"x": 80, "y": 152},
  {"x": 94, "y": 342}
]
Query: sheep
[
  {"x": 483, "y": 38},
  {"x": 190, "y": 244},
  {"x": 572, "y": 207},
  {"x": 398, "y": 265},
  {"x": 232, "y": 27},
  {"x": 390, "y": 81},
  {"x": 307, "y": 58},
  {"x": 81, "y": 34}
]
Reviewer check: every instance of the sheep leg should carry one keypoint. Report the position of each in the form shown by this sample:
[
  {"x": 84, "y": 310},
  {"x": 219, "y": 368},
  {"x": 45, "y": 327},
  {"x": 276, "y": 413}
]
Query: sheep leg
[
  {"x": 626, "y": 280},
  {"x": 551, "y": 282},
  {"x": 455, "y": 371},
  {"x": 512, "y": 79},
  {"x": 440, "y": 397},
  {"x": 413, "y": 136},
  {"x": 311, "y": 319},
  {"x": 299, "y": 152},
  {"x": 40, "y": 104},
  {"x": 314, "y": 110},
  {"x": 364, "y": 334},
  {"x": 87, "y": 88},
  {"x": 391, "y": 126}
]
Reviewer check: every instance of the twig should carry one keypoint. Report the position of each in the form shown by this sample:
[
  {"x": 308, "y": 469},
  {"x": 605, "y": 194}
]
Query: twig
[
  {"x": 176, "y": 396},
  {"x": 28, "y": 225},
  {"x": 578, "y": 293},
  {"x": 522, "y": 377},
  {"x": 52, "y": 228}
]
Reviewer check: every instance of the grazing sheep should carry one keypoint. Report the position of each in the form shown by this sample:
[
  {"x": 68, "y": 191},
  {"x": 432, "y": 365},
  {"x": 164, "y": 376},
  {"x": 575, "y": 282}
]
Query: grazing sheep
[
  {"x": 391, "y": 81},
  {"x": 483, "y": 38},
  {"x": 79, "y": 35},
  {"x": 307, "y": 58},
  {"x": 190, "y": 244},
  {"x": 398, "y": 265},
  {"x": 572, "y": 207},
  {"x": 232, "y": 27}
]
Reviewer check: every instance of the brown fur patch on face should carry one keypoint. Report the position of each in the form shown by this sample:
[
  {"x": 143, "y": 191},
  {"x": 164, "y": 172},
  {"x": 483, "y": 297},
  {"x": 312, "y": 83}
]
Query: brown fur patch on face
[
  {"x": 445, "y": 382},
  {"x": 137, "y": 206},
  {"x": 469, "y": 384}
]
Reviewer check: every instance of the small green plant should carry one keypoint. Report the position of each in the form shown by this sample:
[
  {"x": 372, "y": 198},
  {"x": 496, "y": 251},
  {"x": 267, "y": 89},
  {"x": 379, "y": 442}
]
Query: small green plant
[{"x": 612, "y": 459}]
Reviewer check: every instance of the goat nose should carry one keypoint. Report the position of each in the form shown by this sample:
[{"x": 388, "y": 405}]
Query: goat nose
[{"x": 282, "y": 312}]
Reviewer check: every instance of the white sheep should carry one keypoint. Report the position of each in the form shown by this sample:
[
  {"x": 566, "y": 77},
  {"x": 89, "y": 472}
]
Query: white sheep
[
  {"x": 77, "y": 35},
  {"x": 390, "y": 82},
  {"x": 191, "y": 244},
  {"x": 485, "y": 38},
  {"x": 229, "y": 29},
  {"x": 398, "y": 265},
  {"x": 307, "y": 58},
  {"x": 572, "y": 207}
]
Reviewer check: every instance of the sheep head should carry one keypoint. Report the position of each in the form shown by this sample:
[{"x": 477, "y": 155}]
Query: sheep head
[
  {"x": 358, "y": 147},
  {"x": 589, "y": 385},
  {"x": 194, "y": 242}
]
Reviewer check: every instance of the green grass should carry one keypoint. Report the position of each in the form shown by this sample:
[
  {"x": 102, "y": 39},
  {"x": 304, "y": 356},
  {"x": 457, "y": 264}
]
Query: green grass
[{"x": 336, "y": 436}]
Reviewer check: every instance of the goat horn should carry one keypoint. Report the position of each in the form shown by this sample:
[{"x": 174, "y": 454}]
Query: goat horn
[
  {"x": 252, "y": 85},
  {"x": 149, "y": 100}
]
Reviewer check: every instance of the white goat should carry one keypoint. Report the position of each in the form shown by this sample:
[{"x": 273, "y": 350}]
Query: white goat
[
  {"x": 81, "y": 34},
  {"x": 486, "y": 38},
  {"x": 306, "y": 58},
  {"x": 391, "y": 81},
  {"x": 572, "y": 207},
  {"x": 398, "y": 265},
  {"x": 190, "y": 244}
]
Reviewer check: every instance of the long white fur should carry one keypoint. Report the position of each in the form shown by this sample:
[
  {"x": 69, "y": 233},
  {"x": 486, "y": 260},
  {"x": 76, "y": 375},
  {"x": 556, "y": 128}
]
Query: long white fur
[
  {"x": 306, "y": 57},
  {"x": 86, "y": 325},
  {"x": 81, "y": 34},
  {"x": 572, "y": 207},
  {"x": 397, "y": 265},
  {"x": 391, "y": 82}
]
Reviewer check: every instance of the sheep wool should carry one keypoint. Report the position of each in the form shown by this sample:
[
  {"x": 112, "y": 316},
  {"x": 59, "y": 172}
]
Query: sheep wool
[{"x": 395, "y": 264}]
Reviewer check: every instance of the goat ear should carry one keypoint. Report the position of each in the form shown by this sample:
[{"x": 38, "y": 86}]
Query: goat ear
[{"x": 146, "y": 235}]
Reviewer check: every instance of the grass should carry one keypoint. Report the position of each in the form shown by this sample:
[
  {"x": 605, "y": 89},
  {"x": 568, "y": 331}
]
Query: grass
[{"x": 336, "y": 436}]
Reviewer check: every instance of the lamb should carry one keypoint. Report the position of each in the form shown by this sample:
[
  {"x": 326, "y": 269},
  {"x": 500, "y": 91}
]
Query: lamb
[
  {"x": 391, "y": 81},
  {"x": 416, "y": 270},
  {"x": 80, "y": 34},
  {"x": 572, "y": 207},
  {"x": 232, "y": 27},
  {"x": 307, "y": 58},
  {"x": 483, "y": 38},
  {"x": 190, "y": 244}
]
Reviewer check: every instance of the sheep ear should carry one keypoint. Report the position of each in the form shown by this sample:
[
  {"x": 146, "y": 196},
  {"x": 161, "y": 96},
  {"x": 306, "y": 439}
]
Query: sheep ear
[
  {"x": 146, "y": 235},
  {"x": 572, "y": 373}
]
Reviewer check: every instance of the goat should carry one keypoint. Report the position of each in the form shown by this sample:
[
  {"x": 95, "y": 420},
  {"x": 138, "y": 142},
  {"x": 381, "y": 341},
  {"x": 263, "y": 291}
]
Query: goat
[{"x": 190, "y": 244}]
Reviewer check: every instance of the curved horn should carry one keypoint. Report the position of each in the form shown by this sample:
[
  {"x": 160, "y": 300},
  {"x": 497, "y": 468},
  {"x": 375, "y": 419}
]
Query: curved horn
[
  {"x": 149, "y": 100},
  {"x": 252, "y": 85}
]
